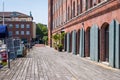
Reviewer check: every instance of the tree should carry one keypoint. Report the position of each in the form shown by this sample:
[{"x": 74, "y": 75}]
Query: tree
[
  {"x": 45, "y": 38},
  {"x": 41, "y": 31}
]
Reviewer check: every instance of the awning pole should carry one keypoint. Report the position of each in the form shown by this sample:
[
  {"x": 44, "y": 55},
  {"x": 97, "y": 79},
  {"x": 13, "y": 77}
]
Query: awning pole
[{"x": 3, "y": 14}]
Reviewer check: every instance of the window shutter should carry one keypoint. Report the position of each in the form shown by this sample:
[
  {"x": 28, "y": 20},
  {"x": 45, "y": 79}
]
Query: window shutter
[
  {"x": 68, "y": 42},
  {"x": 82, "y": 42},
  {"x": 117, "y": 45},
  {"x": 94, "y": 43},
  {"x": 112, "y": 44},
  {"x": 74, "y": 42}
]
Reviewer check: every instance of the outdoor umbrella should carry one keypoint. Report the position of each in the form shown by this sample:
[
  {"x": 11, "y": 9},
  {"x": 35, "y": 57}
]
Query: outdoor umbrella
[{"x": 3, "y": 31}]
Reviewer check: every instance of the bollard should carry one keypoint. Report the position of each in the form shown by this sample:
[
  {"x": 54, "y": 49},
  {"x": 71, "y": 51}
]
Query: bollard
[{"x": 9, "y": 59}]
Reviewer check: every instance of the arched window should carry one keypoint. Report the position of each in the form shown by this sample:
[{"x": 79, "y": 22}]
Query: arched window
[
  {"x": 68, "y": 13},
  {"x": 80, "y": 6},
  {"x": 73, "y": 9},
  {"x": 90, "y": 5},
  {"x": 87, "y": 3}
]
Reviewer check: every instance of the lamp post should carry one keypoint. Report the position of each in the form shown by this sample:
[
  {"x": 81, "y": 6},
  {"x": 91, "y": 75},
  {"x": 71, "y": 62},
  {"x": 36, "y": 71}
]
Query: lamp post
[
  {"x": 8, "y": 58},
  {"x": 3, "y": 14}
]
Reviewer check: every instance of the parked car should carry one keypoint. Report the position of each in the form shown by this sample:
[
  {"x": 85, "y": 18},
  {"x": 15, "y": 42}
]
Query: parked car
[
  {"x": 19, "y": 47},
  {"x": 20, "y": 50}
]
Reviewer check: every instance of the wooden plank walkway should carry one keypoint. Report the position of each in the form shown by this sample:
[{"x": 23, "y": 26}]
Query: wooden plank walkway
[{"x": 44, "y": 63}]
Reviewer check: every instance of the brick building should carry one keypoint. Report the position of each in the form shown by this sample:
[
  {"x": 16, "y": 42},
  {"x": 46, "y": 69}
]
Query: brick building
[
  {"x": 91, "y": 26},
  {"x": 19, "y": 25}
]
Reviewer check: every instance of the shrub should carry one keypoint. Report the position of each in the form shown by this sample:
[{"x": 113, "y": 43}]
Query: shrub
[{"x": 60, "y": 47}]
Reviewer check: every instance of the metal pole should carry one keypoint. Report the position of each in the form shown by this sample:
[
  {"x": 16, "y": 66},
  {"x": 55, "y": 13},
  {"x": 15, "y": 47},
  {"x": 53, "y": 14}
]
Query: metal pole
[
  {"x": 9, "y": 59},
  {"x": 8, "y": 52},
  {"x": 3, "y": 14}
]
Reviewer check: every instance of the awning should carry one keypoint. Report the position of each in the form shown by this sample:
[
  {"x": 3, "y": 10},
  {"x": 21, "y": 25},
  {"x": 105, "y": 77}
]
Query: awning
[{"x": 3, "y": 31}]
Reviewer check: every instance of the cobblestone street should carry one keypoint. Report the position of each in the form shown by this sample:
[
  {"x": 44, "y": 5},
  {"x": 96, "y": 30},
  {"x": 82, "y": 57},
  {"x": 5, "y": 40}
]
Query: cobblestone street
[{"x": 44, "y": 63}]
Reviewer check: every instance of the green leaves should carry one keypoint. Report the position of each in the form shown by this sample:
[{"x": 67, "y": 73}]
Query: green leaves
[
  {"x": 41, "y": 30},
  {"x": 57, "y": 38}
]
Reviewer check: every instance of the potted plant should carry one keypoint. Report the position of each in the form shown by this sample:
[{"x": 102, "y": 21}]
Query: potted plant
[
  {"x": 60, "y": 47},
  {"x": 56, "y": 40}
]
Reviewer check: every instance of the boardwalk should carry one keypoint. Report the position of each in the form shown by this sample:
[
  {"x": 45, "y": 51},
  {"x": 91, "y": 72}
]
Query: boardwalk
[{"x": 44, "y": 63}]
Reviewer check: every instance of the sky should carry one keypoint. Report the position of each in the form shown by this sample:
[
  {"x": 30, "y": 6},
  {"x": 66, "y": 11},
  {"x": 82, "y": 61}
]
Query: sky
[{"x": 38, "y": 8}]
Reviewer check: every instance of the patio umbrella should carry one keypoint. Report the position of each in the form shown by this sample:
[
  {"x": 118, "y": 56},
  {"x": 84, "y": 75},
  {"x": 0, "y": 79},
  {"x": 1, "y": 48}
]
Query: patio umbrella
[{"x": 3, "y": 31}]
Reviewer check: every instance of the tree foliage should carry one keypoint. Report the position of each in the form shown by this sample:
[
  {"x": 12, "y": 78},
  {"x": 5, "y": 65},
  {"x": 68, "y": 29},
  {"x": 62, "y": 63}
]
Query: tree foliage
[
  {"x": 42, "y": 31},
  {"x": 45, "y": 38}
]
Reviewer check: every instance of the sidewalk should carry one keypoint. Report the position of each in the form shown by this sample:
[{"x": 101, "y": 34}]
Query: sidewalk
[{"x": 44, "y": 63}]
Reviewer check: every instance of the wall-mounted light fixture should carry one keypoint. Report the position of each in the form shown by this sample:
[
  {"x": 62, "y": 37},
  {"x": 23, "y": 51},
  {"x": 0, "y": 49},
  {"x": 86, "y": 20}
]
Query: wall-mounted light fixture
[{"x": 83, "y": 25}]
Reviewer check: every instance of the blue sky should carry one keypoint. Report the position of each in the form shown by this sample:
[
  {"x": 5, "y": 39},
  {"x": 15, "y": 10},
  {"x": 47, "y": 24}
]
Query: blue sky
[{"x": 39, "y": 8}]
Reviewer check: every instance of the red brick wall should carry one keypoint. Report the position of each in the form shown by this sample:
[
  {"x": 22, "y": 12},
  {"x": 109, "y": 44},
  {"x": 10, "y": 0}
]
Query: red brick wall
[
  {"x": 14, "y": 29},
  {"x": 98, "y": 15}
]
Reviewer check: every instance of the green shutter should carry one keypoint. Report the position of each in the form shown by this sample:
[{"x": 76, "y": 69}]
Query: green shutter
[
  {"x": 117, "y": 45},
  {"x": 112, "y": 44},
  {"x": 94, "y": 43},
  {"x": 82, "y": 42},
  {"x": 74, "y": 42},
  {"x": 65, "y": 42},
  {"x": 68, "y": 42},
  {"x": 79, "y": 42}
]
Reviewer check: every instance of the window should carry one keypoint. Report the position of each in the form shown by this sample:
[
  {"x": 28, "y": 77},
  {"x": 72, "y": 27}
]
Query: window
[
  {"x": 17, "y": 32},
  {"x": 17, "y": 25},
  {"x": 27, "y": 32},
  {"x": 74, "y": 9},
  {"x": 78, "y": 8},
  {"x": 28, "y": 26},
  {"x": 68, "y": 13},
  {"x": 91, "y": 1},
  {"x": 22, "y": 32},
  {"x": 10, "y": 26},
  {"x": 22, "y": 25},
  {"x": 87, "y": 3},
  {"x": 10, "y": 33},
  {"x": 81, "y": 6}
]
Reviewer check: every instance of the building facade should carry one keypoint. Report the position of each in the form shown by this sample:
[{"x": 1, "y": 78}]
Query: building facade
[
  {"x": 34, "y": 30},
  {"x": 19, "y": 25},
  {"x": 92, "y": 28}
]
